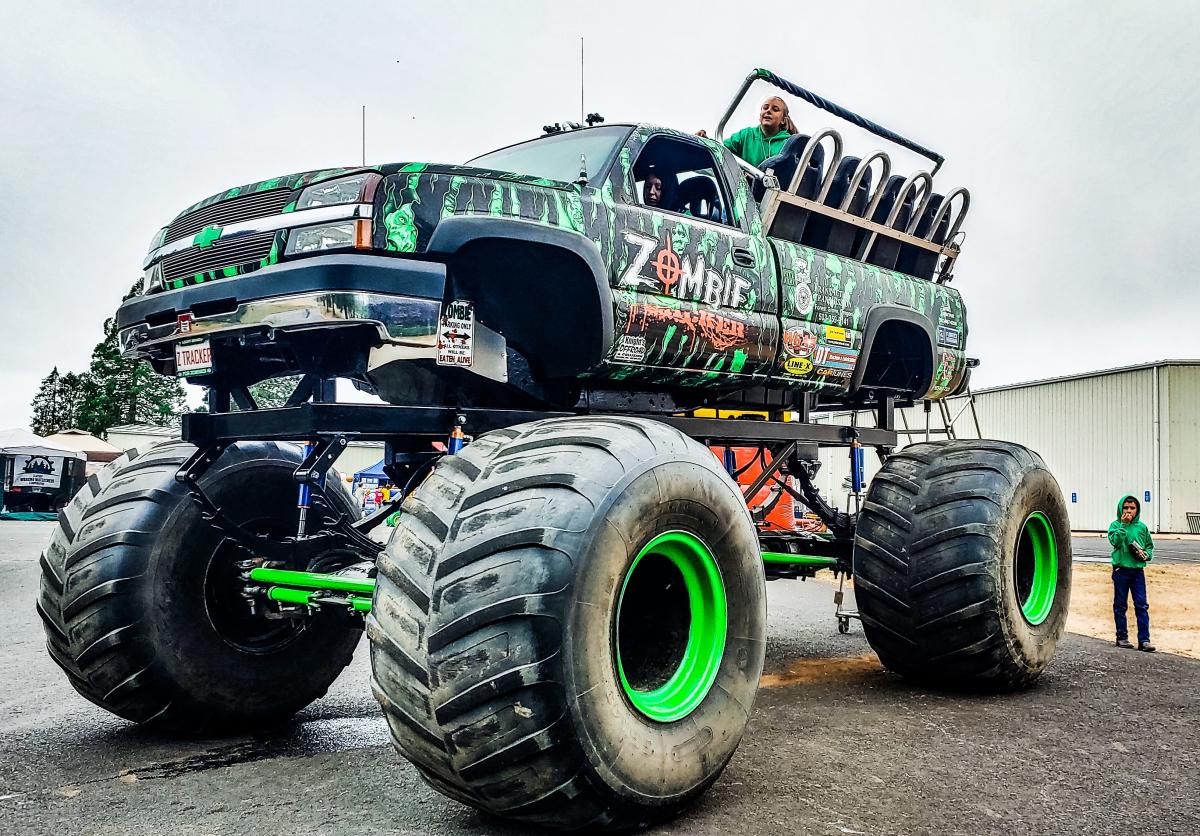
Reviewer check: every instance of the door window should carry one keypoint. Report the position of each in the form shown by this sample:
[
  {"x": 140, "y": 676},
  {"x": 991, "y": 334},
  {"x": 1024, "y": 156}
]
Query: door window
[{"x": 680, "y": 177}]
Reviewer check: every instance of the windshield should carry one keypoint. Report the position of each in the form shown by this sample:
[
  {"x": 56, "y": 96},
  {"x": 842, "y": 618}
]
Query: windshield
[{"x": 556, "y": 157}]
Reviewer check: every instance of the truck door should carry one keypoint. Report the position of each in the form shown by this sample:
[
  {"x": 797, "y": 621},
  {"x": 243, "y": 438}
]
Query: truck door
[{"x": 696, "y": 293}]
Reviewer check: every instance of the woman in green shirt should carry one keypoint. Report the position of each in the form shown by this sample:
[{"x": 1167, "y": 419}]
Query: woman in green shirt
[{"x": 756, "y": 143}]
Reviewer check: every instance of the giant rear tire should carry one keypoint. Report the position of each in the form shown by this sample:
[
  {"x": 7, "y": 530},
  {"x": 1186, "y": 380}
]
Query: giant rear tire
[
  {"x": 139, "y": 595},
  {"x": 568, "y": 625},
  {"x": 962, "y": 564}
]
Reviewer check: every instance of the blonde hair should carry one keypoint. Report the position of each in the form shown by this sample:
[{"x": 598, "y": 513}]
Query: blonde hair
[{"x": 788, "y": 124}]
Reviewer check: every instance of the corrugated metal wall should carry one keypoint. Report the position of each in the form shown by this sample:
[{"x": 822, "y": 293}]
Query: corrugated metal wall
[
  {"x": 1096, "y": 434},
  {"x": 1181, "y": 445}
]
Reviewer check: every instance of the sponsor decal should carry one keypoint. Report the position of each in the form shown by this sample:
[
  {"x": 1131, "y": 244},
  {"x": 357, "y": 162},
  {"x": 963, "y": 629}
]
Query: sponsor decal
[
  {"x": 803, "y": 299},
  {"x": 798, "y": 342},
  {"x": 946, "y": 313},
  {"x": 837, "y": 358},
  {"x": 948, "y": 337},
  {"x": 835, "y": 335},
  {"x": 947, "y": 370},
  {"x": 184, "y": 323},
  {"x": 721, "y": 331},
  {"x": 631, "y": 349},
  {"x": 798, "y": 365},
  {"x": 37, "y": 471},
  {"x": 840, "y": 374},
  {"x": 456, "y": 334}
]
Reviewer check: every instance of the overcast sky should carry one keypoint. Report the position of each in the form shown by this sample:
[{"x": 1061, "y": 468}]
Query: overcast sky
[{"x": 1074, "y": 124}]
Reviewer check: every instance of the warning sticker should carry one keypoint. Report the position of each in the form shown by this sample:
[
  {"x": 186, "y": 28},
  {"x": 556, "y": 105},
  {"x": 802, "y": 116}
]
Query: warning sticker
[{"x": 456, "y": 334}]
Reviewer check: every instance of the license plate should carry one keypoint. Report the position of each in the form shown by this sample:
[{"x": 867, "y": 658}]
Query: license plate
[{"x": 192, "y": 358}]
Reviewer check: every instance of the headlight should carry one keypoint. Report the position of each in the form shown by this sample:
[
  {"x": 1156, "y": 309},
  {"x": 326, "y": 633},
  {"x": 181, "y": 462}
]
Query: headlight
[
  {"x": 157, "y": 240},
  {"x": 333, "y": 192},
  {"x": 311, "y": 239},
  {"x": 152, "y": 279}
]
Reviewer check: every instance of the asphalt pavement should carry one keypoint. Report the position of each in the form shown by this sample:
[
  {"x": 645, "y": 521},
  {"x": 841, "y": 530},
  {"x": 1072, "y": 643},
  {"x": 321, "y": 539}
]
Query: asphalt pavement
[
  {"x": 1167, "y": 549},
  {"x": 1108, "y": 742}
]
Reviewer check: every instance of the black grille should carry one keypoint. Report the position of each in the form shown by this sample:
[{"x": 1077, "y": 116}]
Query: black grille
[
  {"x": 234, "y": 252},
  {"x": 241, "y": 208}
]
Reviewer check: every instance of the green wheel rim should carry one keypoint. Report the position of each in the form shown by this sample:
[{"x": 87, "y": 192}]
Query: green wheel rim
[
  {"x": 1037, "y": 568},
  {"x": 707, "y": 610}
]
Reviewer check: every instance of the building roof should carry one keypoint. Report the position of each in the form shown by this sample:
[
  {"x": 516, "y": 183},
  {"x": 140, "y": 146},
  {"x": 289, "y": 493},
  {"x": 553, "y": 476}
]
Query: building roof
[
  {"x": 1083, "y": 375},
  {"x": 86, "y": 442},
  {"x": 145, "y": 429}
]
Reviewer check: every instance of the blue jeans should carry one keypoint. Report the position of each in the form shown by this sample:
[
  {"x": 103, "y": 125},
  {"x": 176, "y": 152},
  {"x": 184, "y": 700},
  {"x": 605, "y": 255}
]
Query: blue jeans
[{"x": 1126, "y": 581}]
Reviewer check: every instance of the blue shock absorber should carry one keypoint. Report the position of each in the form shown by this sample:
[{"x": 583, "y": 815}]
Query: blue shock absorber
[
  {"x": 857, "y": 467},
  {"x": 730, "y": 461},
  {"x": 305, "y": 497},
  {"x": 456, "y": 440}
]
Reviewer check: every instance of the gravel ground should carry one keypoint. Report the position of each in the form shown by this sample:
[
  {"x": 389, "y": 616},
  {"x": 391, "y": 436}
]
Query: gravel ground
[{"x": 1107, "y": 743}]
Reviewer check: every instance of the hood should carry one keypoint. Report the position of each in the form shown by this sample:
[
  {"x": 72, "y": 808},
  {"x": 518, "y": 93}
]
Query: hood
[
  {"x": 1136, "y": 501},
  {"x": 307, "y": 178},
  {"x": 470, "y": 171},
  {"x": 287, "y": 181}
]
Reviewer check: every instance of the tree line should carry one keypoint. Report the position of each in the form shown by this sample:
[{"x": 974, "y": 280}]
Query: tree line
[
  {"x": 112, "y": 391},
  {"x": 115, "y": 391}
]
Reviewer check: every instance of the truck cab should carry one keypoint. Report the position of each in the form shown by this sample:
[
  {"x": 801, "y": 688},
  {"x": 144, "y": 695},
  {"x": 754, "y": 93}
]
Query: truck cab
[{"x": 541, "y": 273}]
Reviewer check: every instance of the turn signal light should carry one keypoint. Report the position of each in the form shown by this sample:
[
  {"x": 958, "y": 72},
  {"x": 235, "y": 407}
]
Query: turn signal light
[{"x": 362, "y": 234}]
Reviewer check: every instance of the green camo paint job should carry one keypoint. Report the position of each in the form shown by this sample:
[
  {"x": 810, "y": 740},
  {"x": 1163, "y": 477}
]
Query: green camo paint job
[
  {"x": 687, "y": 314},
  {"x": 697, "y": 670},
  {"x": 1037, "y": 552}
]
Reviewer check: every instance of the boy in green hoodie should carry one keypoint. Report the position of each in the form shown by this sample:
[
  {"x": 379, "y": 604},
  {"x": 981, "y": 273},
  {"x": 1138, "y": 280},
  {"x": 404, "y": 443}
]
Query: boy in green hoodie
[{"x": 1132, "y": 550}]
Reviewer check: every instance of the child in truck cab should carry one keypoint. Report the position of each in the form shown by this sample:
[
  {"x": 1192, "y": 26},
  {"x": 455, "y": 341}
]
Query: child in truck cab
[
  {"x": 658, "y": 190},
  {"x": 757, "y": 142}
]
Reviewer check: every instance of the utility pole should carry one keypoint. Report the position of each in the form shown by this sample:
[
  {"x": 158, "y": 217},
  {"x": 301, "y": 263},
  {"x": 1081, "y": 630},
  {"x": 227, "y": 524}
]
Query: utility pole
[
  {"x": 582, "y": 110},
  {"x": 364, "y": 135}
]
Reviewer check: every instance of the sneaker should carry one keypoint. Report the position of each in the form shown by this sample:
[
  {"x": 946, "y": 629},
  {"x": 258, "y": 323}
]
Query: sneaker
[
  {"x": 1146, "y": 646},
  {"x": 1125, "y": 644}
]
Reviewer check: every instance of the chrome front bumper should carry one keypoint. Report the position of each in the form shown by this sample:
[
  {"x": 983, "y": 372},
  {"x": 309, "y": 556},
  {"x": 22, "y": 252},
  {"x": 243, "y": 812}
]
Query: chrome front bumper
[
  {"x": 400, "y": 298},
  {"x": 399, "y": 320}
]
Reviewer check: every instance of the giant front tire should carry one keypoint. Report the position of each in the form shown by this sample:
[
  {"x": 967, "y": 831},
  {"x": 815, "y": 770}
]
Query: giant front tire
[
  {"x": 140, "y": 595},
  {"x": 568, "y": 625},
  {"x": 962, "y": 564}
]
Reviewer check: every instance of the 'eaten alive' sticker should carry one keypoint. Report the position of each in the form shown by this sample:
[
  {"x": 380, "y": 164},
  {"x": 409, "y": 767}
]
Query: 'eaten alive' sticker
[{"x": 456, "y": 333}]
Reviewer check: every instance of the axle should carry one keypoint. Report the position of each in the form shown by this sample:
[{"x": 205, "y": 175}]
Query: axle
[{"x": 314, "y": 590}]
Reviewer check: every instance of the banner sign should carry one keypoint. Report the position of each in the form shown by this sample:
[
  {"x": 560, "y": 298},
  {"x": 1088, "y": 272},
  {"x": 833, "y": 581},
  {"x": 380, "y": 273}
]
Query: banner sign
[{"x": 37, "y": 471}]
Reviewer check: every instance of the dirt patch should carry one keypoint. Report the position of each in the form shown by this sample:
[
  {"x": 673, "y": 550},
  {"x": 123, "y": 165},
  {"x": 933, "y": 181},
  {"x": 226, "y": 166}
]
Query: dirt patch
[
  {"x": 808, "y": 671},
  {"x": 1174, "y": 594}
]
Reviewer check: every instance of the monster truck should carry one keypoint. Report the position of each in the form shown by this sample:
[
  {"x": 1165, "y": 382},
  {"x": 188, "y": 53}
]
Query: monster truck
[{"x": 567, "y": 623}]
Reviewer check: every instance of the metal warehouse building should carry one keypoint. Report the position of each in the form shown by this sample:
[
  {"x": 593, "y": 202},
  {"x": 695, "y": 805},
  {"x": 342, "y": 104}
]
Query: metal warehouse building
[{"x": 1103, "y": 434}]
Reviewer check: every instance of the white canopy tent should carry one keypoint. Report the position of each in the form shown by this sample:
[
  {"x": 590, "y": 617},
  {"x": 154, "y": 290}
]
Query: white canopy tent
[
  {"x": 18, "y": 442},
  {"x": 37, "y": 475}
]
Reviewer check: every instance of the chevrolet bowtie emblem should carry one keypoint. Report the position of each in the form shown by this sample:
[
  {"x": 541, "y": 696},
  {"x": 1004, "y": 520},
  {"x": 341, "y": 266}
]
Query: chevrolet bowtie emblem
[{"x": 206, "y": 237}]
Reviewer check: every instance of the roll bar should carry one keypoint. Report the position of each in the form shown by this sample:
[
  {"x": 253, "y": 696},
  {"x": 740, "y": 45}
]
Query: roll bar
[{"x": 823, "y": 104}]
